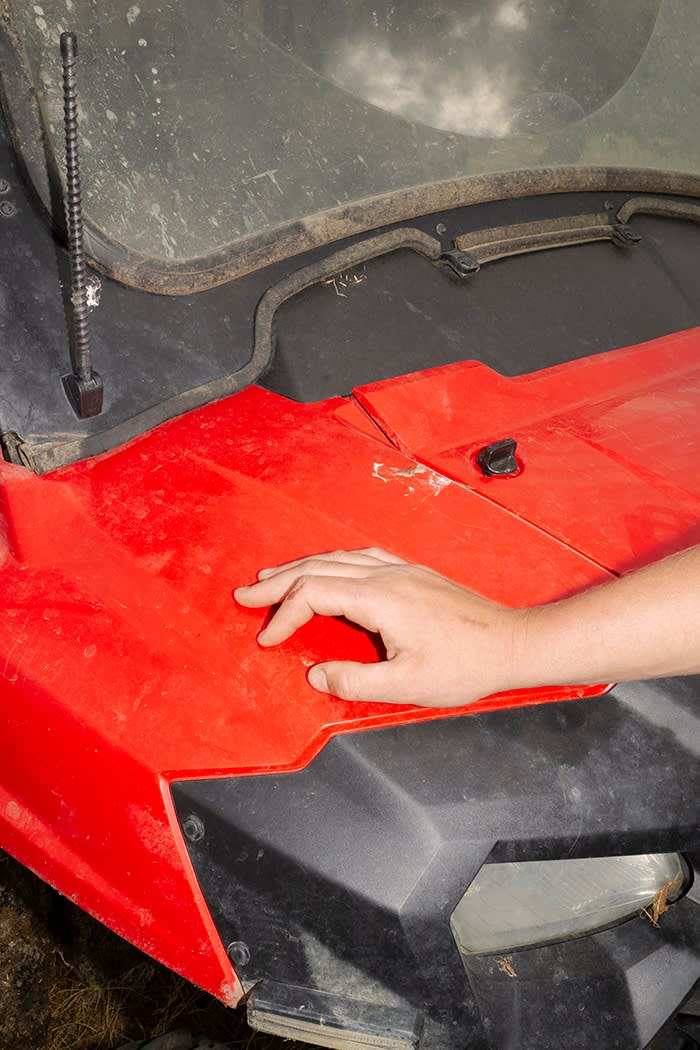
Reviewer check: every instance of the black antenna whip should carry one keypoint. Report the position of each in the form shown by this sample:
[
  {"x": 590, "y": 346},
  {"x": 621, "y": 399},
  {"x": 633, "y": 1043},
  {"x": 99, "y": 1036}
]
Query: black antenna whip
[{"x": 83, "y": 385}]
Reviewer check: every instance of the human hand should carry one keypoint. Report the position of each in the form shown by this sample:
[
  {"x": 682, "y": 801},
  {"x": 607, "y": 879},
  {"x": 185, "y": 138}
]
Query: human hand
[{"x": 445, "y": 646}]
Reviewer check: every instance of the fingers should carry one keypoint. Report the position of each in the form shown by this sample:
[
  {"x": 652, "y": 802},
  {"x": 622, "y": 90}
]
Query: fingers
[
  {"x": 326, "y": 595},
  {"x": 384, "y": 682},
  {"x": 368, "y": 556},
  {"x": 279, "y": 585}
]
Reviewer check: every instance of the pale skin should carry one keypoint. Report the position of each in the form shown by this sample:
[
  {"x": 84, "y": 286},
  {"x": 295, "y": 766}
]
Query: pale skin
[{"x": 446, "y": 646}]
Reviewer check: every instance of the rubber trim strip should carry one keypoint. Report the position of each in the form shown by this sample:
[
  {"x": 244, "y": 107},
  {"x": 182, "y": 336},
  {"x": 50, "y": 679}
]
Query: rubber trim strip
[
  {"x": 505, "y": 241},
  {"x": 50, "y": 456},
  {"x": 519, "y": 239},
  {"x": 663, "y": 206}
]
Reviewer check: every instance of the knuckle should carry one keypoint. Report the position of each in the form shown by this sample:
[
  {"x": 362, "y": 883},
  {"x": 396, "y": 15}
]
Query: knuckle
[
  {"x": 296, "y": 586},
  {"x": 342, "y": 685}
]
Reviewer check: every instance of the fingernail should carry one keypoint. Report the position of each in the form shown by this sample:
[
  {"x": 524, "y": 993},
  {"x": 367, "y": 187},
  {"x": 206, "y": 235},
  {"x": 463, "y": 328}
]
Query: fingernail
[
  {"x": 263, "y": 573},
  {"x": 317, "y": 678}
]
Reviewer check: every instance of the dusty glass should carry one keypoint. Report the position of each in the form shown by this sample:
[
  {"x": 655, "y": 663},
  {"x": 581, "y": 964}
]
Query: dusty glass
[{"x": 204, "y": 124}]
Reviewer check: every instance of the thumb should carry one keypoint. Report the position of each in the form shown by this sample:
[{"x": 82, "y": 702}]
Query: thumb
[{"x": 384, "y": 682}]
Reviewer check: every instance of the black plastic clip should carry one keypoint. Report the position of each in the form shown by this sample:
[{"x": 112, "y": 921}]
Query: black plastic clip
[
  {"x": 498, "y": 460},
  {"x": 624, "y": 236},
  {"x": 462, "y": 263}
]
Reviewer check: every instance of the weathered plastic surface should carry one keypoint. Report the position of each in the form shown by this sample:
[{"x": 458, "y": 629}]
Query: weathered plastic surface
[
  {"x": 343, "y": 876},
  {"x": 127, "y": 665}
]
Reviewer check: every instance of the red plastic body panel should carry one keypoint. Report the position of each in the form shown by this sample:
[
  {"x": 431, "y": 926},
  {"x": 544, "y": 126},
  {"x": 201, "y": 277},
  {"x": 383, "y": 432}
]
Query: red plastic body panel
[
  {"x": 126, "y": 664},
  {"x": 608, "y": 447}
]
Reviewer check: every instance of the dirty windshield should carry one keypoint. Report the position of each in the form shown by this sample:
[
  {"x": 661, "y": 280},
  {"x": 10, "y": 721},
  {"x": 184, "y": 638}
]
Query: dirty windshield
[{"x": 207, "y": 123}]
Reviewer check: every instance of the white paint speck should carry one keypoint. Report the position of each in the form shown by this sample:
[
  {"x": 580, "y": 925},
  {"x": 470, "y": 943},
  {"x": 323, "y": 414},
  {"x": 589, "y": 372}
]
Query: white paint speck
[
  {"x": 38, "y": 10},
  {"x": 93, "y": 290},
  {"x": 143, "y": 42},
  {"x": 133, "y": 13},
  {"x": 110, "y": 114},
  {"x": 391, "y": 473},
  {"x": 436, "y": 482}
]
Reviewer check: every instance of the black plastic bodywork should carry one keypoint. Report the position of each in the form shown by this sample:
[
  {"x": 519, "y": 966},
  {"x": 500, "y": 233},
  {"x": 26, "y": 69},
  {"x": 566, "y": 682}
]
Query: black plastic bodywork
[
  {"x": 161, "y": 355},
  {"x": 342, "y": 877}
]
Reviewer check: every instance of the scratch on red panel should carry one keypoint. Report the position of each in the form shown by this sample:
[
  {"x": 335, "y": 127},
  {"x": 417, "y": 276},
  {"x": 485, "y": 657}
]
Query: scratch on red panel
[{"x": 437, "y": 482}]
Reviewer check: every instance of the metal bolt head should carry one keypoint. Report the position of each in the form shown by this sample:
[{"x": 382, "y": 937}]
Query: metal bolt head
[
  {"x": 239, "y": 953},
  {"x": 7, "y": 209},
  {"x": 193, "y": 828},
  {"x": 4, "y": 186},
  {"x": 440, "y": 229}
]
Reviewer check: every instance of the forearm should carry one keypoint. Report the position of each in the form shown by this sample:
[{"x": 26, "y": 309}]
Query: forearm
[{"x": 645, "y": 625}]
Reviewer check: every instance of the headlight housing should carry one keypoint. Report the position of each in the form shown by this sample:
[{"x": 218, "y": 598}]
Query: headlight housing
[{"x": 523, "y": 904}]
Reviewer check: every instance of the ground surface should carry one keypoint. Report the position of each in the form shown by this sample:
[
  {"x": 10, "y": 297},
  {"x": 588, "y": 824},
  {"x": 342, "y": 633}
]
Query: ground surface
[{"x": 67, "y": 983}]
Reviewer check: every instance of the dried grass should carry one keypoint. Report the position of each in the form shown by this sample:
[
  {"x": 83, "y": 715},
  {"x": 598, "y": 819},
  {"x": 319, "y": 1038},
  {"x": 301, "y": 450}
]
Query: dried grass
[
  {"x": 341, "y": 282},
  {"x": 660, "y": 903},
  {"x": 505, "y": 965},
  {"x": 143, "y": 1002},
  {"x": 89, "y": 989}
]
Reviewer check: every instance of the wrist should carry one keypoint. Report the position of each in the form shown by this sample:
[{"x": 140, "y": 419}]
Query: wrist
[
  {"x": 520, "y": 663},
  {"x": 546, "y": 649},
  {"x": 562, "y": 644},
  {"x": 525, "y": 647}
]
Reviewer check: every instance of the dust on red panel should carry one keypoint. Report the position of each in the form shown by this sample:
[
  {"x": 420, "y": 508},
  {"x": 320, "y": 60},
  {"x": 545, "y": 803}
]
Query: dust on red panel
[{"x": 141, "y": 547}]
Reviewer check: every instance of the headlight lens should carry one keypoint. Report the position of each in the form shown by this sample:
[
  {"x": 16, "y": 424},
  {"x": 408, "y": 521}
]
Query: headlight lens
[{"x": 515, "y": 905}]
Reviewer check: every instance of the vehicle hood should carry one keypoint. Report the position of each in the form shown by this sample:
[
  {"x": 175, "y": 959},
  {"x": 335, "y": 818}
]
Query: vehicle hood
[{"x": 118, "y": 570}]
